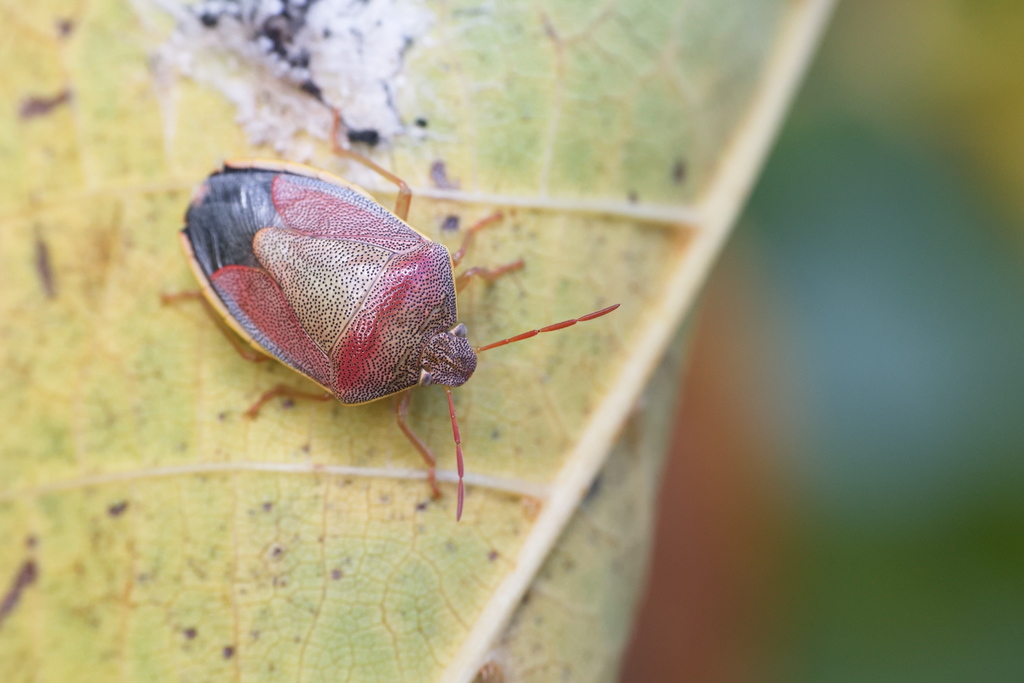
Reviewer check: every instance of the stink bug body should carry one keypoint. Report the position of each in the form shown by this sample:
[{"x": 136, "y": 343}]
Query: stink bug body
[{"x": 310, "y": 270}]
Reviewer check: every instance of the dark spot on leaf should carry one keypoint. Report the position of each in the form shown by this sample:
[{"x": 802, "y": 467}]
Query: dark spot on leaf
[
  {"x": 190, "y": 633},
  {"x": 288, "y": 403},
  {"x": 25, "y": 577},
  {"x": 439, "y": 174},
  {"x": 385, "y": 499},
  {"x": 336, "y": 574},
  {"x": 450, "y": 547},
  {"x": 493, "y": 555},
  {"x": 44, "y": 269},
  {"x": 450, "y": 223},
  {"x": 33, "y": 107},
  {"x": 208, "y": 19},
  {"x": 31, "y": 542},
  {"x": 65, "y": 27},
  {"x": 277, "y": 551},
  {"x": 222, "y": 415},
  {"x": 495, "y": 434},
  {"x": 268, "y": 506},
  {"x": 117, "y": 509},
  {"x": 679, "y": 171},
  {"x": 422, "y": 505},
  {"x": 633, "y": 197},
  {"x": 421, "y": 122},
  {"x": 550, "y": 31},
  {"x": 368, "y": 136},
  {"x": 228, "y": 651}
]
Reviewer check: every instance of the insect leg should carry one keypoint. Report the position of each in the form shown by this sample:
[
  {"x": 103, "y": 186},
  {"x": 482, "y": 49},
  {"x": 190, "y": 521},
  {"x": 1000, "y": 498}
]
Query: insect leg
[
  {"x": 244, "y": 350},
  {"x": 458, "y": 453},
  {"x": 187, "y": 295},
  {"x": 401, "y": 414},
  {"x": 489, "y": 274},
  {"x": 286, "y": 392},
  {"x": 404, "y": 193},
  {"x": 471, "y": 232}
]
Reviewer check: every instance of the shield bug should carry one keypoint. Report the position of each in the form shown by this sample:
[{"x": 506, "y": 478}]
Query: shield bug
[{"x": 312, "y": 271}]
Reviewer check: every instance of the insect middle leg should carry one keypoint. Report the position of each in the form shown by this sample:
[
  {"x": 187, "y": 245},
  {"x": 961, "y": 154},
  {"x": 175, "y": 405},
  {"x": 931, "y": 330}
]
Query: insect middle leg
[
  {"x": 244, "y": 350},
  {"x": 471, "y": 232},
  {"x": 489, "y": 274},
  {"x": 404, "y": 193},
  {"x": 401, "y": 416}
]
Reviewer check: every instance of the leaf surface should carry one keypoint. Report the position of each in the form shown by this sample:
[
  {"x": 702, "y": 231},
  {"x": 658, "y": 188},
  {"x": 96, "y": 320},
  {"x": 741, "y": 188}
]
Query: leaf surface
[{"x": 153, "y": 533}]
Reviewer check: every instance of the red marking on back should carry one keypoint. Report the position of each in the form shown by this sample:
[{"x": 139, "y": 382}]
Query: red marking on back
[
  {"x": 363, "y": 340},
  {"x": 379, "y": 353},
  {"x": 256, "y": 294},
  {"x": 317, "y": 213}
]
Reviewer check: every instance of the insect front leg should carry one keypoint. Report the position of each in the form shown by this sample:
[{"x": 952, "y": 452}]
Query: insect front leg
[
  {"x": 401, "y": 416},
  {"x": 404, "y": 193},
  {"x": 244, "y": 350}
]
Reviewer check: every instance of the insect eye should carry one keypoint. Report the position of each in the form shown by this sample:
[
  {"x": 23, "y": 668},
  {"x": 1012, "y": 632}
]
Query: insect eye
[{"x": 460, "y": 331}]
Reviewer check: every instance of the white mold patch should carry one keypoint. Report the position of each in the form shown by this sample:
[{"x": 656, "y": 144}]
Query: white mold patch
[{"x": 285, "y": 64}]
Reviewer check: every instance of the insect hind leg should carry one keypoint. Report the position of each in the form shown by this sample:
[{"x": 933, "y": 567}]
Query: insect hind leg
[{"x": 244, "y": 350}]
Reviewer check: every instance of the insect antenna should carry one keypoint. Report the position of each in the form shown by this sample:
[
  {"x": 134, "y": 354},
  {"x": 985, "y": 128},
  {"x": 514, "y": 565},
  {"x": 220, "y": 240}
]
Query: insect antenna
[
  {"x": 458, "y": 452},
  {"x": 549, "y": 328}
]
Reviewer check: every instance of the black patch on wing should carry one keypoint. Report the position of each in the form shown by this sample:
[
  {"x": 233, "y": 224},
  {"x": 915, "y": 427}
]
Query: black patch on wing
[{"x": 221, "y": 224}]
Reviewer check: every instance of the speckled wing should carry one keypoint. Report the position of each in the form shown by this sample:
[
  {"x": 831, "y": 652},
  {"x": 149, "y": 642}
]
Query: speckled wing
[{"x": 324, "y": 280}]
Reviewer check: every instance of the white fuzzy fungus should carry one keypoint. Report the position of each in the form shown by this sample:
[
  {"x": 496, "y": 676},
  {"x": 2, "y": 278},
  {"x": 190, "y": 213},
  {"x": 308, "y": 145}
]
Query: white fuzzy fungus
[{"x": 285, "y": 63}]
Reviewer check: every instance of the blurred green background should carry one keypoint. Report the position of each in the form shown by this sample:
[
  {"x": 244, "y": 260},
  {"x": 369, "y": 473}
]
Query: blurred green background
[{"x": 845, "y": 500}]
